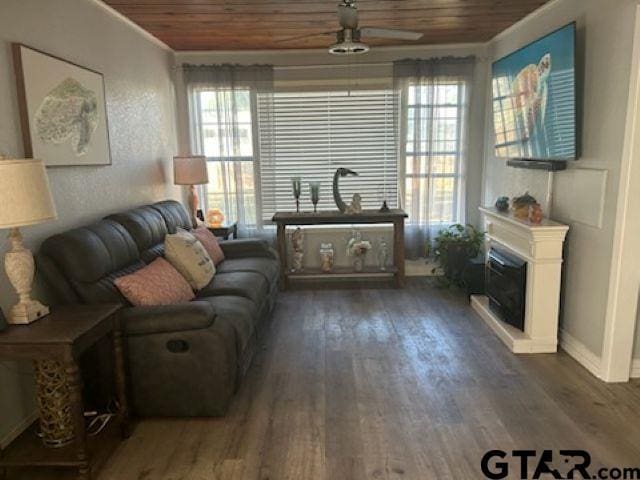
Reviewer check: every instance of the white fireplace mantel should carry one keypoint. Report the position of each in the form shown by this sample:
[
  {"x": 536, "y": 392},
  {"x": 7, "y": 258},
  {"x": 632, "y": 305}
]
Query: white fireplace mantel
[{"x": 541, "y": 246}]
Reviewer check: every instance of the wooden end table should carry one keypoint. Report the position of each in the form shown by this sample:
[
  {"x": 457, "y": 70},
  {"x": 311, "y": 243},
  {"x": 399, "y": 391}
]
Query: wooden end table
[
  {"x": 225, "y": 230},
  {"x": 63, "y": 336}
]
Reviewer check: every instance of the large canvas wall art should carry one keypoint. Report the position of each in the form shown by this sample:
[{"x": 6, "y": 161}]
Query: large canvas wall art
[
  {"x": 534, "y": 99},
  {"x": 62, "y": 109}
]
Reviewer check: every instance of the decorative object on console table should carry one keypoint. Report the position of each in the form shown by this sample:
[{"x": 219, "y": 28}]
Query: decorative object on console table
[
  {"x": 358, "y": 248},
  {"x": 383, "y": 255},
  {"x": 340, "y": 172},
  {"x": 356, "y": 205},
  {"x": 191, "y": 170},
  {"x": 225, "y": 230},
  {"x": 297, "y": 243},
  {"x": 327, "y": 256},
  {"x": 62, "y": 110},
  {"x": 296, "y": 183},
  {"x": 63, "y": 337},
  {"x": 25, "y": 199},
  {"x": 314, "y": 189}
]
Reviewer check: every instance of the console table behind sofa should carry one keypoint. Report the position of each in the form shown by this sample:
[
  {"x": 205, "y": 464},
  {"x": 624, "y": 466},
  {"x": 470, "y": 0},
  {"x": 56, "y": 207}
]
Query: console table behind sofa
[{"x": 394, "y": 217}]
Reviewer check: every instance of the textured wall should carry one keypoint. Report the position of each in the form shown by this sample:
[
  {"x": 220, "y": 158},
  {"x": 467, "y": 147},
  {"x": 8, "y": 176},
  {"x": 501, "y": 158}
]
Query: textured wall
[
  {"x": 140, "y": 107},
  {"x": 605, "y": 36}
]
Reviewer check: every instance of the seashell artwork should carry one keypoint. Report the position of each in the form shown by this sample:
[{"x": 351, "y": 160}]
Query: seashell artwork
[{"x": 68, "y": 113}]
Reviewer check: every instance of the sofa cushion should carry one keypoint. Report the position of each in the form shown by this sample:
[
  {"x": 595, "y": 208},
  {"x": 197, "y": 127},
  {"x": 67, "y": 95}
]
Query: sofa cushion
[
  {"x": 155, "y": 284},
  {"x": 267, "y": 267},
  {"x": 210, "y": 243},
  {"x": 190, "y": 258},
  {"x": 174, "y": 214},
  {"x": 249, "y": 285},
  {"x": 147, "y": 228},
  {"x": 239, "y": 312}
]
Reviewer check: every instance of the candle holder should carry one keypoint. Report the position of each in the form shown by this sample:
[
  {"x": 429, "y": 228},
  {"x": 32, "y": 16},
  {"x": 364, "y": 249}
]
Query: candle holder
[
  {"x": 314, "y": 188},
  {"x": 297, "y": 190}
]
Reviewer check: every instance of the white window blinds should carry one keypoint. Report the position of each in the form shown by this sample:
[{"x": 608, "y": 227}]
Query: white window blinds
[{"x": 311, "y": 134}]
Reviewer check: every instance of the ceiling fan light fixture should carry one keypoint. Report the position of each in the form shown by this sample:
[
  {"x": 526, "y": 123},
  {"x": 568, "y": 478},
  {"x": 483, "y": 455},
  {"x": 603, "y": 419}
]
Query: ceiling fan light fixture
[{"x": 348, "y": 48}]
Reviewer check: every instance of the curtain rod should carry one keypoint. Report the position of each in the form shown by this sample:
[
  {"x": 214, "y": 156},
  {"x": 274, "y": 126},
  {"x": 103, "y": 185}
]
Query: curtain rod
[{"x": 320, "y": 65}]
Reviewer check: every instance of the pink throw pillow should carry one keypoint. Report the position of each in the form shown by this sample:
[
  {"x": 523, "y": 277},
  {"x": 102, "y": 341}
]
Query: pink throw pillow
[
  {"x": 158, "y": 283},
  {"x": 210, "y": 243}
]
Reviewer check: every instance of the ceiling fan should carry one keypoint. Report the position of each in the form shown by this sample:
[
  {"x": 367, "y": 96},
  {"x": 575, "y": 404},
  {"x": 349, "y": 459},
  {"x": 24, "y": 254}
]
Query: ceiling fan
[{"x": 348, "y": 38}]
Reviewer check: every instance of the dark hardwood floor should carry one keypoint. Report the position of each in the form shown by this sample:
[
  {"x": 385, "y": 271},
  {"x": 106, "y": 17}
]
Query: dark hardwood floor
[{"x": 386, "y": 384}]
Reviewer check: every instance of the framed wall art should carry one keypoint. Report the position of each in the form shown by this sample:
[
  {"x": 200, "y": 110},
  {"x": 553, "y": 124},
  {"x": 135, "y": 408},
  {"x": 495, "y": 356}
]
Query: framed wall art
[{"x": 62, "y": 110}]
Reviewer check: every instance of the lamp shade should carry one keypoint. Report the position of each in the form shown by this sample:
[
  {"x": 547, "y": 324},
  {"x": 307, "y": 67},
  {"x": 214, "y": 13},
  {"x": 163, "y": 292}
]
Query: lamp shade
[
  {"x": 25, "y": 197},
  {"x": 190, "y": 170}
]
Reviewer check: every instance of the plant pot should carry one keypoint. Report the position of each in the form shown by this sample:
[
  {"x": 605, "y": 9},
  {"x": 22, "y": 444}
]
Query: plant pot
[{"x": 457, "y": 257}]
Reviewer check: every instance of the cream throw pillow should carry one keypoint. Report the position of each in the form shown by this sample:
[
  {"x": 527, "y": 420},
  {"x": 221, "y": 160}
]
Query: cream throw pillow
[{"x": 190, "y": 258}]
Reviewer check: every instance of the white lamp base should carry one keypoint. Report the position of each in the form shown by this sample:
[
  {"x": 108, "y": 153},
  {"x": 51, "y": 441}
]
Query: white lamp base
[
  {"x": 20, "y": 269},
  {"x": 25, "y": 313}
]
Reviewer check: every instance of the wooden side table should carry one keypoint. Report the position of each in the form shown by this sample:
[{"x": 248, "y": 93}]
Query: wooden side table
[
  {"x": 225, "y": 230},
  {"x": 63, "y": 336}
]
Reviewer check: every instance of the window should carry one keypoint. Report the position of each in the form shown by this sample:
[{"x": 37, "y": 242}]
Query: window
[
  {"x": 312, "y": 133},
  {"x": 433, "y": 152},
  {"x": 223, "y": 132}
]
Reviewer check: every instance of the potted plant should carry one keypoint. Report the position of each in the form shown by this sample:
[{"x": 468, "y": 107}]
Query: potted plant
[{"x": 453, "y": 248}]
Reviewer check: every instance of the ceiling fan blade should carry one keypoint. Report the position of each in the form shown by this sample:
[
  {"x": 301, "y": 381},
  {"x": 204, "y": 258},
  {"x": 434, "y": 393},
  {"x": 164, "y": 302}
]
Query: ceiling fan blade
[
  {"x": 348, "y": 15},
  {"x": 389, "y": 33},
  {"x": 301, "y": 37}
]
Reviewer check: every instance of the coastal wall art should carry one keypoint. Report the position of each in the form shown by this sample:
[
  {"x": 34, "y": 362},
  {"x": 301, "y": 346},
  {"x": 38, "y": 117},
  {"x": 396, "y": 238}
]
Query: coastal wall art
[{"x": 62, "y": 110}]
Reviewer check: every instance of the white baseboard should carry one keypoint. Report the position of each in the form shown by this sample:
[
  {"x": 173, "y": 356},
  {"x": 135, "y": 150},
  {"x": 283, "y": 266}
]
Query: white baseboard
[
  {"x": 580, "y": 353},
  {"x": 635, "y": 369},
  {"x": 18, "y": 429}
]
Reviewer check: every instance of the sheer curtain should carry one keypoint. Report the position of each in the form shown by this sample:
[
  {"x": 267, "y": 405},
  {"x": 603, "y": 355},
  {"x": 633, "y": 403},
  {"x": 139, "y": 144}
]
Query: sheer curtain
[
  {"x": 223, "y": 126},
  {"x": 433, "y": 124}
]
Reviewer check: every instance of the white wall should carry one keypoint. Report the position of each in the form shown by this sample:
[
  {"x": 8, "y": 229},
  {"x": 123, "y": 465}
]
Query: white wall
[
  {"x": 140, "y": 106},
  {"x": 349, "y": 68},
  {"x": 585, "y": 195}
]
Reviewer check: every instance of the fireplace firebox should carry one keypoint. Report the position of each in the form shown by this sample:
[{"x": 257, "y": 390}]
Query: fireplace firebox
[{"x": 506, "y": 284}]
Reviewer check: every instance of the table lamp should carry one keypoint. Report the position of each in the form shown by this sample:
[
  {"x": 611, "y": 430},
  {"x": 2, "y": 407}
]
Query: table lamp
[
  {"x": 25, "y": 199},
  {"x": 191, "y": 170}
]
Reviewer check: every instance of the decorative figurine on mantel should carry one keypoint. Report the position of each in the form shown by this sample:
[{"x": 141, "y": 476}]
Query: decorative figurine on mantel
[
  {"x": 356, "y": 205},
  {"x": 502, "y": 204},
  {"x": 521, "y": 206},
  {"x": 341, "y": 172},
  {"x": 297, "y": 242}
]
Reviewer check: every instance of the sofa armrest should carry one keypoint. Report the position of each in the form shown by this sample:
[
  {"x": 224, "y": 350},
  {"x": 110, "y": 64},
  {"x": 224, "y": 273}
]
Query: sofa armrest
[
  {"x": 167, "y": 318},
  {"x": 250, "y": 247}
]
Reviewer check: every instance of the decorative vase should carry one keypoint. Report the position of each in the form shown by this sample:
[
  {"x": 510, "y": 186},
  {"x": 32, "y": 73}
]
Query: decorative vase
[
  {"x": 296, "y": 183},
  {"x": 327, "y": 256},
  {"x": 314, "y": 188},
  {"x": 383, "y": 255}
]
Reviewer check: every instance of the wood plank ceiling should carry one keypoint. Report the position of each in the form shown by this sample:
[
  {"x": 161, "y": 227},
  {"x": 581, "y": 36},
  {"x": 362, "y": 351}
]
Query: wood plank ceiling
[{"x": 277, "y": 24}]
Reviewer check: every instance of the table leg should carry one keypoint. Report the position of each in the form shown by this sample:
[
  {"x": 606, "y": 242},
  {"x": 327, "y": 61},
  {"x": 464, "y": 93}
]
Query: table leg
[
  {"x": 282, "y": 251},
  {"x": 77, "y": 409},
  {"x": 398, "y": 251},
  {"x": 120, "y": 378}
]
